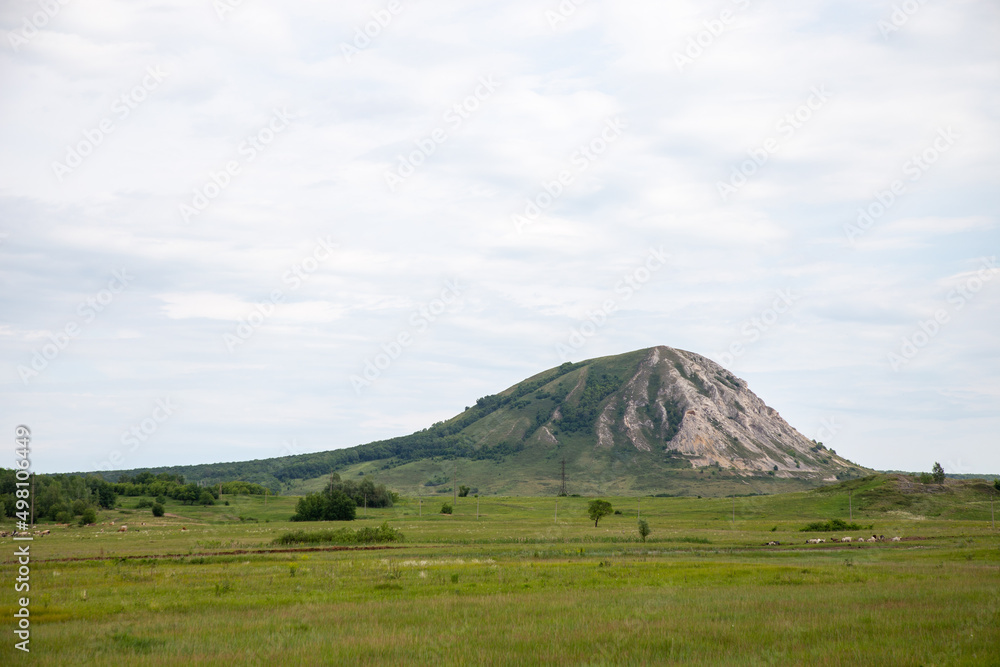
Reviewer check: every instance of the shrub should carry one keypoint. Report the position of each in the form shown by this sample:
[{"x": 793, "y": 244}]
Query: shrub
[
  {"x": 144, "y": 502},
  {"x": 446, "y": 508},
  {"x": 829, "y": 526},
  {"x": 365, "y": 535},
  {"x": 325, "y": 506},
  {"x": 88, "y": 516},
  {"x": 644, "y": 530},
  {"x": 64, "y": 517},
  {"x": 926, "y": 478},
  {"x": 157, "y": 509},
  {"x": 463, "y": 491},
  {"x": 937, "y": 472}
]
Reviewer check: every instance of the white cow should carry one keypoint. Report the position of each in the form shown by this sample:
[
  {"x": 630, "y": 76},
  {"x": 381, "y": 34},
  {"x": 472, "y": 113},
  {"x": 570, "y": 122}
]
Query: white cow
[
  {"x": 845, "y": 539},
  {"x": 896, "y": 539}
]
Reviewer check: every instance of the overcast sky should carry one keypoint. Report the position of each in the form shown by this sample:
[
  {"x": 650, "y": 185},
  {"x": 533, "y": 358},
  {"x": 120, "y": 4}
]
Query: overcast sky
[{"x": 245, "y": 229}]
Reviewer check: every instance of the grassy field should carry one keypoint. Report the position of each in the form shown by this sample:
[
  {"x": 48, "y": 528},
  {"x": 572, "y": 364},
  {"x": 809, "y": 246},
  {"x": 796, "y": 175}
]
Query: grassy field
[{"x": 527, "y": 582}]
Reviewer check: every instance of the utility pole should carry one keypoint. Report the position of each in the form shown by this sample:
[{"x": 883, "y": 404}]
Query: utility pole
[
  {"x": 562, "y": 489},
  {"x": 638, "y": 511},
  {"x": 734, "y": 511},
  {"x": 477, "y": 507},
  {"x": 556, "y": 519}
]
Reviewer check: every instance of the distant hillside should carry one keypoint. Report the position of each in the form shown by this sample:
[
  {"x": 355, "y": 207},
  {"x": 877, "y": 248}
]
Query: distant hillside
[{"x": 658, "y": 420}]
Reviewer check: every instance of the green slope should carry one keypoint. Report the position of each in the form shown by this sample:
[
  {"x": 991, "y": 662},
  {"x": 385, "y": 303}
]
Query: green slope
[{"x": 515, "y": 442}]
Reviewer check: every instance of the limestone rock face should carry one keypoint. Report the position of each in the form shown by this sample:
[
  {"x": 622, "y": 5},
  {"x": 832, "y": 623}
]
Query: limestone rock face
[{"x": 681, "y": 402}]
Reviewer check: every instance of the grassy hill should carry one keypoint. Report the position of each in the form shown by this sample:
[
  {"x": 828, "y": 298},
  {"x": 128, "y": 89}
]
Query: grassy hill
[{"x": 653, "y": 421}]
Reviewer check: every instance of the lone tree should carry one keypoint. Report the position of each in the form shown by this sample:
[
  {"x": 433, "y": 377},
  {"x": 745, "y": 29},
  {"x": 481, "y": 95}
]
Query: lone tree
[
  {"x": 937, "y": 472},
  {"x": 598, "y": 509},
  {"x": 996, "y": 484},
  {"x": 644, "y": 530}
]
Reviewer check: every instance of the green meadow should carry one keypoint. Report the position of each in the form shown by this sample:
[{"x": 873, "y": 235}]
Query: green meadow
[{"x": 526, "y": 580}]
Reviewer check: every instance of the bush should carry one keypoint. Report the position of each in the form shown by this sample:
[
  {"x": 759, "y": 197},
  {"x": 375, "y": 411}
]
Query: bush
[
  {"x": 446, "y": 508},
  {"x": 366, "y": 535},
  {"x": 161, "y": 499},
  {"x": 143, "y": 503},
  {"x": 325, "y": 506},
  {"x": 644, "y": 530},
  {"x": 996, "y": 484},
  {"x": 206, "y": 497},
  {"x": 78, "y": 507},
  {"x": 157, "y": 509},
  {"x": 463, "y": 491},
  {"x": 88, "y": 516},
  {"x": 829, "y": 526},
  {"x": 937, "y": 472},
  {"x": 64, "y": 517},
  {"x": 926, "y": 478}
]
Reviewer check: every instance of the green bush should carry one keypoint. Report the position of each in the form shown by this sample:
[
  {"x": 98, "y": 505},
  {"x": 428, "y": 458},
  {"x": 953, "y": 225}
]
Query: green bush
[
  {"x": 325, "y": 506},
  {"x": 446, "y": 508},
  {"x": 157, "y": 509},
  {"x": 88, "y": 516},
  {"x": 644, "y": 530},
  {"x": 829, "y": 526},
  {"x": 143, "y": 503},
  {"x": 365, "y": 535}
]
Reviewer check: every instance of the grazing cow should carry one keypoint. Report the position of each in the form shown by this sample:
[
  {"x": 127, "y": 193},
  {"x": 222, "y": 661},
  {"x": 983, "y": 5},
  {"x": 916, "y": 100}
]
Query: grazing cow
[
  {"x": 845, "y": 539},
  {"x": 772, "y": 543},
  {"x": 815, "y": 540},
  {"x": 184, "y": 528},
  {"x": 123, "y": 529},
  {"x": 881, "y": 538},
  {"x": 870, "y": 539},
  {"x": 896, "y": 539}
]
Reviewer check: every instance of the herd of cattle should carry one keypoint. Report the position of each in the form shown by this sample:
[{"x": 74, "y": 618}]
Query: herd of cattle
[{"x": 820, "y": 540}]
